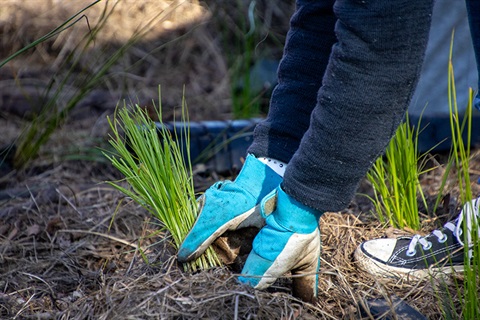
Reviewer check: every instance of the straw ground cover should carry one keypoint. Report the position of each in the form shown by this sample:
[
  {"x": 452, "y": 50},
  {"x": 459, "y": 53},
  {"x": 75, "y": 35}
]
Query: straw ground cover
[{"x": 70, "y": 245}]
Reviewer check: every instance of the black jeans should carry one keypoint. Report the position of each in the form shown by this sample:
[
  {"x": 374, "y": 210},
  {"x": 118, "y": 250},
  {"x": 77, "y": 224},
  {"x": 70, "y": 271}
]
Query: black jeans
[{"x": 345, "y": 81}]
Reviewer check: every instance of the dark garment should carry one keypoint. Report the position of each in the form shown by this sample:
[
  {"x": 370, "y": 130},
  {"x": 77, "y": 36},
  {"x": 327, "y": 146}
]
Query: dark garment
[
  {"x": 306, "y": 54},
  {"x": 349, "y": 117},
  {"x": 473, "y": 9}
]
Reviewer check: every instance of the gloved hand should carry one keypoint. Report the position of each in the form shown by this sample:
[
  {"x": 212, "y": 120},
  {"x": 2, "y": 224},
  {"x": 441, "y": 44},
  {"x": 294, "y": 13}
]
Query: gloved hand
[
  {"x": 290, "y": 241},
  {"x": 229, "y": 205}
]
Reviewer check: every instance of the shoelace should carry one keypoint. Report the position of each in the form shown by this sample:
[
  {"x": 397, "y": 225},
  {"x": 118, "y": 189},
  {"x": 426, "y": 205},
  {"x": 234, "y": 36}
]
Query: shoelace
[{"x": 469, "y": 212}]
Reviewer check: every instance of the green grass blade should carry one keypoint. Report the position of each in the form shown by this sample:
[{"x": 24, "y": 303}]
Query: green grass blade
[{"x": 158, "y": 172}]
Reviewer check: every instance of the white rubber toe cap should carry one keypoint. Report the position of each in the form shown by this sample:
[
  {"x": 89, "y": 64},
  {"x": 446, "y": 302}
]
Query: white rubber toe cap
[{"x": 381, "y": 249}]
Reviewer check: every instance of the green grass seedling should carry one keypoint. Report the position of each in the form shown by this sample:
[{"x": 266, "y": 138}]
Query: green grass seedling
[
  {"x": 158, "y": 177},
  {"x": 47, "y": 121},
  {"x": 244, "y": 103},
  {"x": 395, "y": 179},
  {"x": 239, "y": 40}
]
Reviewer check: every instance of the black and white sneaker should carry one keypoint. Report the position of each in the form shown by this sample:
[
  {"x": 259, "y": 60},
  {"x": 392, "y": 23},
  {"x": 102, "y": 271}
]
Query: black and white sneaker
[{"x": 440, "y": 252}]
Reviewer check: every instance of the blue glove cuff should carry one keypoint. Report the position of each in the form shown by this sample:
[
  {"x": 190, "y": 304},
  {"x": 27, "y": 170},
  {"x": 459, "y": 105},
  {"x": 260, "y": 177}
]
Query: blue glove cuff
[
  {"x": 255, "y": 169},
  {"x": 290, "y": 213}
]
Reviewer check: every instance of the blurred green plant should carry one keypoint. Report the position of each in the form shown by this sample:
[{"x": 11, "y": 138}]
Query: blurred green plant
[
  {"x": 158, "y": 172},
  {"x": 50, "y": 118},
  {"x": 245, "y": 101},
  {"x": 54, "y": 109},
  {"x": 245, "y": 26}
]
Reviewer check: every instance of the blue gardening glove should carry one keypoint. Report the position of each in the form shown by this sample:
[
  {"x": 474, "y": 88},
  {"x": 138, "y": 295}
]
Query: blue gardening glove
[
  {"x": 290, "y": 241},
  {"x": 229, "y": 205}
]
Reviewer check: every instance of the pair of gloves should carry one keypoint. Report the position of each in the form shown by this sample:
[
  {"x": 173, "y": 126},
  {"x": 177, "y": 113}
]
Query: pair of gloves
[{"x": 289, "y": 239}]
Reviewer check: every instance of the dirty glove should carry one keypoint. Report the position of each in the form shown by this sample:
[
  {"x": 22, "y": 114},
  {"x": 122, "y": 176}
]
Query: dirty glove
[
  {"x": 290, "y": 241},
  {"x": 229, "y": 205}
]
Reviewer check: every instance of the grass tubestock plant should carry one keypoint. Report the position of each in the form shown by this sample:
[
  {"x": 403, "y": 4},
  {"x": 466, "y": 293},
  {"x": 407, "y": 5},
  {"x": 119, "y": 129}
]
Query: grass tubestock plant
[
  {"x": 395, "y": 179},
  {"x": 252, "y": 36},
  {"x": 158, "y": 173}
]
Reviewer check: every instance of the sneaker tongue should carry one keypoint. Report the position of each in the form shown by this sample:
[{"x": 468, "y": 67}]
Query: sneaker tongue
[{"x": 469, "y": 215}]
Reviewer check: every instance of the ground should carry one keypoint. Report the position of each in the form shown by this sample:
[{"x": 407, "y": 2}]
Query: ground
[{"x": 72, "y": 247}]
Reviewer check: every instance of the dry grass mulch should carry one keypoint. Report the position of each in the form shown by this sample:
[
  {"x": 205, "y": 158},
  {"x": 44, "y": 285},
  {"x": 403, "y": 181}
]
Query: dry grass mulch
[{"x": 71, "y": 247}]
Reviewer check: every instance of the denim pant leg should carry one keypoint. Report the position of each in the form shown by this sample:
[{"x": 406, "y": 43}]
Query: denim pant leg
[
  {"x": 473, "y": 9},
  {"x": 306, "y": 53},
  {"x": 368, "y": 84}
]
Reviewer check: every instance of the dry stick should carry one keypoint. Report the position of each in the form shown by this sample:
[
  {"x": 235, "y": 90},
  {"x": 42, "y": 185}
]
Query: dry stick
[
  {"x": 130, "y": 265},
  {"x": 157, "y": 293},
  {"x": 33, "y": 198},
  {"x": 69, "y": 202},
  {"x": 322, "y": 312},
  {"x": 235, "y": 313},
  {"x": 18, "y": 291},
  {"x": 25, "y": 305},
  {"x": 128, "y": 243},
  {"x": 341, "y": 278},
  {"x": 38, "y": 278}
]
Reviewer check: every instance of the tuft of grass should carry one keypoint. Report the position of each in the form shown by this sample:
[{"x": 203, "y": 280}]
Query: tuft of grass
[
  {"x": 158, "y": 173},
  {"x": 460, "y": 156},
  {"x": 51, "y": 117},
  {"x": 395, "y": 179}
]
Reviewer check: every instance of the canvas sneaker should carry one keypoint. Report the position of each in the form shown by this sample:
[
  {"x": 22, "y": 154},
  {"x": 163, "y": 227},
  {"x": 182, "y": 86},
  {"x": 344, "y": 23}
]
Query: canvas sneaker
[{"x": 439, "y": 253}]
